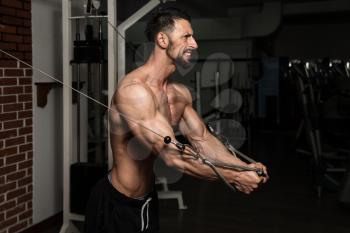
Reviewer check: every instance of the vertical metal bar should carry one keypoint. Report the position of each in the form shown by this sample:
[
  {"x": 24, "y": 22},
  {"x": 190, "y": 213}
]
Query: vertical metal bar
[
  {"x": 77, "y": 37},
  {"x": 67, "y": 110},
  {"x": 112, "y": 66},
  {"x": 78, "y": 113},
  {"x": 198, "y": 93},
  {"x": 217, "y": 98},
  {"x": 121, "y": 35}
]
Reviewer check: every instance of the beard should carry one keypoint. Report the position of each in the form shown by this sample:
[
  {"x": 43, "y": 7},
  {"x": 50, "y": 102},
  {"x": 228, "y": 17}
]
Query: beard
[{"x": 179, "y": 60}]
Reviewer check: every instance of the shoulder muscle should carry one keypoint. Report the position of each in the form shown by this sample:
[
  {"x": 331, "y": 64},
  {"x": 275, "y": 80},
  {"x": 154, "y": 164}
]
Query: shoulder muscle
[
  {"x": 183, "y": 91},
  {"x": 135, "y": 100}
]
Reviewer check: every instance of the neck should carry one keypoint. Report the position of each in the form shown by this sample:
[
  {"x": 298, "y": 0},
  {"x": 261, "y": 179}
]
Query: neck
[{"x": 160, "y": 67}]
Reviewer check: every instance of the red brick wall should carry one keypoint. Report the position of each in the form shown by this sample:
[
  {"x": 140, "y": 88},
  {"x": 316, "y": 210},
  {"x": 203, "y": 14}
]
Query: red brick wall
[{"x": 16, "y": 117}]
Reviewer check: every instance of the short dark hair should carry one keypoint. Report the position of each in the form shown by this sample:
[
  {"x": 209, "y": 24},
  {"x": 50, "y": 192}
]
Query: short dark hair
[{"x": 163, "y": 20}]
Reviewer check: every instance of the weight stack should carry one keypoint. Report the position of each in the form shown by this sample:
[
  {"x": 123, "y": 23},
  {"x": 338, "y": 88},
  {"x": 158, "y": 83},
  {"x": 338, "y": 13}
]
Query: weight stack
[
  {"x": 88, "y": 51},
  {"x": 83, "y": 177}
]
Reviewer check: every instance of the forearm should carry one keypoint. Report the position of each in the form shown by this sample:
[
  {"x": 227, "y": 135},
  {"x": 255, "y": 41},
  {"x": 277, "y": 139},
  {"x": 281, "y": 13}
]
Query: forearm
[
  {"x": 190, "y": 166},
  {"x": 195, "y": 161},
  {"x": 213, "y": 149},
  {"x": 186, "y": 164}
]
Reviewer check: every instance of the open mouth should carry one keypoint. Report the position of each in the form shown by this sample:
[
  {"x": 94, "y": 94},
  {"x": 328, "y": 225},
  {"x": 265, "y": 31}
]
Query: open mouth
[{"x": 188, "y": 54}]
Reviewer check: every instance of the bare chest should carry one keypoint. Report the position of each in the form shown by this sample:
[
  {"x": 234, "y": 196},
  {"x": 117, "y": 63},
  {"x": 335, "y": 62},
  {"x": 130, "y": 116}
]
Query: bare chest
[{"x": 171, "y": 106}]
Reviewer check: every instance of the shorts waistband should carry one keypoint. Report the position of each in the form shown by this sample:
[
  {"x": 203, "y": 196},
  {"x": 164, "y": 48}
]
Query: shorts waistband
[{"x": 122, "y": 197}]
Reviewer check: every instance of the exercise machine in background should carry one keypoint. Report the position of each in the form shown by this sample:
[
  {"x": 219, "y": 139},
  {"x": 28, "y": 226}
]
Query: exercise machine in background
[
  {"x": 224, "y": 94},
  {"x": 315, "y": 83}
]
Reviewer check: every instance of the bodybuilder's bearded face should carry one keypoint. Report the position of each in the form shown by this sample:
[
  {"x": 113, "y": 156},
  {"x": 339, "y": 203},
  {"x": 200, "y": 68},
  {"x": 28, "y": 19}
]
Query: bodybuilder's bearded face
[{"x": 181, "y": 43}]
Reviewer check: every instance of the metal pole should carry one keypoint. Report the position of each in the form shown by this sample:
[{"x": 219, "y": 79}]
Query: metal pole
[
  {"x": 217, "y": 101},
  {"x": 67, "y": 111},
  {"x": 112, "y": 58},
  {"x": 77, "y": 33},
  {"x": 78, "y": 113},
  {"x": 121, "y": 35},
  {"x": 198, "y": 93}
]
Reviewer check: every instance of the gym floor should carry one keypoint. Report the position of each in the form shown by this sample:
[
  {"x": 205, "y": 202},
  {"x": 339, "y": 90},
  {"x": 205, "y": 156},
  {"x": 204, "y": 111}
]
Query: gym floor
[{"x": 288, "y": 203}]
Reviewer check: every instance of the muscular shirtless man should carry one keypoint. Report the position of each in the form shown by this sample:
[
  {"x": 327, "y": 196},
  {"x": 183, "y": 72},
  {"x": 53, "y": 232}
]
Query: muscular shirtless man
[{"x": 146, "y": 104}]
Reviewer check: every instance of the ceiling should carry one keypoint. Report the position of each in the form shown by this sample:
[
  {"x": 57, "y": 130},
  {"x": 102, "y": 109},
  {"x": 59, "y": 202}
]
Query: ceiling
[{"x": 203, "y": 8}]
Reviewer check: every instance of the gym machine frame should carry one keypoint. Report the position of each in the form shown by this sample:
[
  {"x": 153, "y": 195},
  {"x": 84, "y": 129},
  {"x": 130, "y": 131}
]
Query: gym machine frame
[{"x": 67, "y": 43}]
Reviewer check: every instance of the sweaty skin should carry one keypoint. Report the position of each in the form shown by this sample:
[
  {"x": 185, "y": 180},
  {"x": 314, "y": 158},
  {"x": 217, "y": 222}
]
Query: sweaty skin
[{"x": 149, "y": 99}]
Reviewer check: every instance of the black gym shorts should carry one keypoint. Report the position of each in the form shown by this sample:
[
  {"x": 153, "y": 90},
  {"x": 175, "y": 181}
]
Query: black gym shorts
[{"x": 109, "y": 211}]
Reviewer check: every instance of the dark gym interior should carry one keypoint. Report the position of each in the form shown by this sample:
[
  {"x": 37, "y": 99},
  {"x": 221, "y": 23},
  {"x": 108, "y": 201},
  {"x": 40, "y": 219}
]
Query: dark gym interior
[{"x": 273, "y": 76}]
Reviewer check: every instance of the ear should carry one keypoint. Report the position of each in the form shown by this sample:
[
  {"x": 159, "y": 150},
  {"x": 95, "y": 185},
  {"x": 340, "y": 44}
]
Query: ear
[{"x": 162, "y": 40}]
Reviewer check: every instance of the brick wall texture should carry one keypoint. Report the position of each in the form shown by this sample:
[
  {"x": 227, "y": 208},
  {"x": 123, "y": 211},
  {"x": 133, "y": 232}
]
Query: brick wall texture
[{"x": 16, "y": 117}]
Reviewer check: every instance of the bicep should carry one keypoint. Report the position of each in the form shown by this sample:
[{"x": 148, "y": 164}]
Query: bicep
[{"x": 192, "y": 125}]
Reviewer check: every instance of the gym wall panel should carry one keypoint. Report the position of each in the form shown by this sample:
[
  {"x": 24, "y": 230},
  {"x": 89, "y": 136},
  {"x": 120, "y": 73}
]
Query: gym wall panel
[{"x": 47, "y": 55}]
